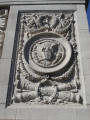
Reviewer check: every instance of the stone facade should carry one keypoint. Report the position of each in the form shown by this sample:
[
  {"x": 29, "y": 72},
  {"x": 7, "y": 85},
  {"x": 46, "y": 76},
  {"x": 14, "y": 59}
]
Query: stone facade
[{"x": 44, "y": 64}]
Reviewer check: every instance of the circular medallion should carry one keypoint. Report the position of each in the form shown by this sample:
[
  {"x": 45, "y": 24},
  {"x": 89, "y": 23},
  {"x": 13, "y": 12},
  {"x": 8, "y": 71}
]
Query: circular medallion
[{"x": 46, "y": 53}]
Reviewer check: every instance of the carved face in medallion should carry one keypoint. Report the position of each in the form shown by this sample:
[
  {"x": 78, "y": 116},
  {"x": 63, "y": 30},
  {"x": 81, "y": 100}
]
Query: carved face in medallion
[{"x": 46, "y": 53}]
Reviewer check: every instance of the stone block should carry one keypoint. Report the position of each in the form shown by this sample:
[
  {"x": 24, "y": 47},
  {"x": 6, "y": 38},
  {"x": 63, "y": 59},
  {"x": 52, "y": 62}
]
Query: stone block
[
  {"x": 8, "y": 48},
  {"x": 87, "y": 79},
  {"x": 82, "y": 23},
  {"x": 81, "y": 8},
  {"x": 87, "y": 92},
  {"x": 7, "y": 113},
  {"x": 9, "y": 33},
  {"x": 81, "y": 13},
  {"x": 87, "y": 88},
  {"x": 3, "y": 93},
  {"x": 81, "y": 17},
  {"x": 11, "y": 25},
  {"x": 83, "y": 114},
  {"x": 86, "y": 66},
  {"x": 12, "y": 15},
  {"x": 88, "y": 100},
  {"x": 84, "y": 43},
  {"x": 14, "y": 9},
  {"x": 53, "y": 113},
  {"x": 4, "y": 79},
  {"x": 85, "y": 54},
  {"x": 19, "y": 2},
  {"x": 5, "y": 66},
  {"x": 83, "y": 33}
]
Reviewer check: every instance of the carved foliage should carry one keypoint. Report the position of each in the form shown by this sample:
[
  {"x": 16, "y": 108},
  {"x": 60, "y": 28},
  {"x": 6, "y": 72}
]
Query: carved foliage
[{"x": 3, "y": 21}]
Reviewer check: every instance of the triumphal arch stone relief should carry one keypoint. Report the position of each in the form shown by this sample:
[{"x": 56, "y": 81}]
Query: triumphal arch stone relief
[
  {"x": 44, "y": 60},
  {"x": 47, "y": 69}
]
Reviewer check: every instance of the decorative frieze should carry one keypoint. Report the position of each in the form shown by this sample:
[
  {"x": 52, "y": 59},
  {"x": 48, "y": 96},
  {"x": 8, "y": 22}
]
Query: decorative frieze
[{"x": 47, "y": 70}]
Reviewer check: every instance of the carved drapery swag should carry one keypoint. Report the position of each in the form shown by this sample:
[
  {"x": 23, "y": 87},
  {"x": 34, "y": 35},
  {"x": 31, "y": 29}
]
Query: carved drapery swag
[
  {"x": 3, "y": 22},
  {"x": 47, "y": 60}
]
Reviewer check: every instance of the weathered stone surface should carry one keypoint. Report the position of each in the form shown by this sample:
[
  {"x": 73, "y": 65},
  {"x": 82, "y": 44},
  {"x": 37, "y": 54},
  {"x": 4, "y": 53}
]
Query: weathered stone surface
[
  {"x": 7, "y": 113},
  {"x": 85, "y": 54},
  {"x": 82, "y": 114},
  {"x": 84, "y": 41},
  {"x": 47, "y": 52},
  {"x": 46, "y": 113},
  {"x": 86, "y": 65},
  {"x": 3, "y": 93},
  {"x": 14, "y": 9},
  {"x": 40, "y": 2},
  {"x": 8, "y": 45},
  {"x": 66, "y": 109},
  {"x": 87, "y": 79},
  {"x": 5, "y": 65},
  {"x": 4, "y": 79}
]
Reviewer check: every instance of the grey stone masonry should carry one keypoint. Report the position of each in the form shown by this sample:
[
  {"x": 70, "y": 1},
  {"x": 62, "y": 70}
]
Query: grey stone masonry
[
  {"x": 34, "y": 110},
  {"x": 21, "y": 2}
]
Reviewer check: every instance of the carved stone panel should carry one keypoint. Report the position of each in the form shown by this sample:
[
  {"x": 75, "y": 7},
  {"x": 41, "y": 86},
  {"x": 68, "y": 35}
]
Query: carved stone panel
[
  {"x": 47, "y": 70},
  {"x": 3, "y": 22}
]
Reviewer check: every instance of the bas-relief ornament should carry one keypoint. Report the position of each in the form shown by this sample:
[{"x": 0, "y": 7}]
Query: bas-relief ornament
[
  {"x": 3, "y": 21},
  {"x": 47, "y": 60},
  {"x": 47, "y": 54}
]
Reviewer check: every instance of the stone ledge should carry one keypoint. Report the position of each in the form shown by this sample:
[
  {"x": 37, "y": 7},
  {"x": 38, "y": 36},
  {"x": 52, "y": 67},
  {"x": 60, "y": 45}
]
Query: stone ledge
[
  {"x": 16, "y": 113},
  {"x": 22, "y": 2}
]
